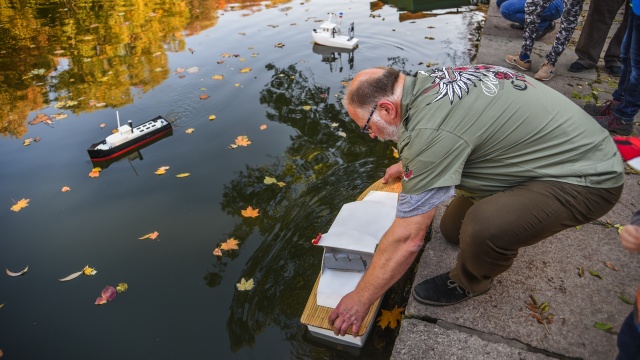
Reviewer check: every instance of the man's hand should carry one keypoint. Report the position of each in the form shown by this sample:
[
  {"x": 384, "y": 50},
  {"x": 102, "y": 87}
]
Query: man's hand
[
  {"x": 350, "y": 311},
  {"x": 393, "y": 171},
  {"x": 630, "y": 238}
]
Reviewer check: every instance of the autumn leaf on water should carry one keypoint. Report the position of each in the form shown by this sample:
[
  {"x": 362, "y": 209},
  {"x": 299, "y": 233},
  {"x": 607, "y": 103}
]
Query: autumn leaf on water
[
  {"x": 89, "y": 271},
  {"x": 262, "y": 127},
  {"x": 245, "y": 70},
  {"x": 270, "y": 180},
  {"x": 250, "y": 212},
  {"x": 390, "y": 318},
  {"x": 182, "y": 175},
  {"x": 226, "y": 55},
  {"x": 66, "y": 188},
  {"x": 72, "y": 276},
  {"x": 189, "y": 130},
  {"x": 212, "y": 117},
  {"x": 395, "y": 153},
  {"x": 162, "y": 170},
  {"x": 22, "y": 203},
  {"x": 242, "y": 141},
  {"x": 103, "y": 125},
  {"x": 122, "y": 287},
  {"x": 279, "y": 45},
  {"x": 95, "y": 172},
  {"x": 19, "y": 273},
  {"x": 217, "y": 252},
  {"x": 108, "y": 294},
  {"x": 204, "y": 97},
  {"x": 245, "y": 285},
  {"x": 231, "y": 244},
  {"x": 218, "y": 77},
  {"x": 307, "y": 107},
  {"x": 152, "y": 236},
  {"x": 27, "y": 142}
]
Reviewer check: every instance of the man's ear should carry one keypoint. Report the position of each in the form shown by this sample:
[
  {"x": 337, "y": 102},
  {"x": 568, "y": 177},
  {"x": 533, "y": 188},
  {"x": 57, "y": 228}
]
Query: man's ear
[{"x": 387, "y": 110}]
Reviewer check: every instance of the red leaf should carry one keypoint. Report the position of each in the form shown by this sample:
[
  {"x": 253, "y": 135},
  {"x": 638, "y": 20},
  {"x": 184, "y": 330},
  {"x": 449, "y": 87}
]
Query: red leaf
[
  {"x": 109, "y": 293},
  {"x": 101, "y": 300}
]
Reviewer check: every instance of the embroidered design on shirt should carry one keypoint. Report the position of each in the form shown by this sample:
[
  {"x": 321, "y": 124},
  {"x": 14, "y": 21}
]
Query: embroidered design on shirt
[
  {"x": 452, "y": 82},
  {"x": 407, "y": 172}
]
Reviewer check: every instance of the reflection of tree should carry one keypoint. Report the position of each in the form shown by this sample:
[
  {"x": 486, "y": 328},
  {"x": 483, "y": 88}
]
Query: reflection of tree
[{"x": 318, "y": 162}]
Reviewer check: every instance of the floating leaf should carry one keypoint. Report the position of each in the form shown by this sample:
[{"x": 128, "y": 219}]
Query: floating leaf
[
  {"x": 603, "y": 326},
  {"x": 281, "y": 184},
  {"x": 250, "y": 212},
  {"x": 72, "y": 276},
  {"x": 226, "y": 55},
  {"x": 390, "y": 318},
  {"x": 203, "y": 89},
  {"x": 182, "y": 175},
  {"x": 218, "y": 77},
  {"x": 307, "y": 107},
  {"x": 122, "y": 287},
  {"x": 395, "y": 153},
  {"x": 108, "y": 294},
  {"x": 21, "y": 204},
  {"x": 95, "y": 172},
  {"x": 279, "y": 45},
  {"x": 342, "y": 133},
  {"x": 27, "y": 142},
  {"x": 66, "y": 188},
  {"x": 245, "y": 70},
  {"x": 204, "y": 97},
  {"x": 89, "y": 271},
  {"x": 162, "y": 170},
  {"x": 189, "y": 130},
  {"x": 192, "y": 70},
  {"x": 231, "y": 244},
  {"x": 626, "y": 299},
  {"x": 152, "y": 236},
  {"x": 217, "y": 252},
  {"x": 245, "y": 285},
  {"x": 595, "y": 273},
  {"x": 270, "y": 180},
  {"x": 103, "y": 125},
  {"x": 212, "y": 117},
  {"x": 19, "y": 273},
  {"x": 611, "y": 266},
  {"x": 179, "y": 70},
  {"x": 262, "y": 127},
  {"x": 242, "y": 140},
  {"x": 60, "y": 116}
]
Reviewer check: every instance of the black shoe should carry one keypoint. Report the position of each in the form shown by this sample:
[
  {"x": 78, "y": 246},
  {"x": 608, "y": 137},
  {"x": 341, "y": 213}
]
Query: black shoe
[
  {"x": 441, "y": 291},
  {"x": 615, "y": 70},
  {"x": 516, "y": 26},
  {"x": 577, "y": 67},
  {"x": 545, "y": 31}
]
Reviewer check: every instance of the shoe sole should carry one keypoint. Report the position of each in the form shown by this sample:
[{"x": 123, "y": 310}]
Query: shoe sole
[
  {"x": 549, "y": 78},
  {"x": 427, "y": 302}
]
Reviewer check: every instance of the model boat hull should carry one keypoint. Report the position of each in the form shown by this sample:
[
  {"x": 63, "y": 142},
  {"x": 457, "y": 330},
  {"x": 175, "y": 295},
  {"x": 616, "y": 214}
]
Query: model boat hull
[
  {"x": 100, "y": 151},
  {"x": 339, "y": 41}
]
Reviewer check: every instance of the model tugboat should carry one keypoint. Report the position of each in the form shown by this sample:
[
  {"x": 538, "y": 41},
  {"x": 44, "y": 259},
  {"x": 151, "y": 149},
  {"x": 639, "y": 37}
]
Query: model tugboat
[
  {"x": 348, "y": 250},
  {"x": 127, "y": 138},
  {"x": 330, "y": 34}
]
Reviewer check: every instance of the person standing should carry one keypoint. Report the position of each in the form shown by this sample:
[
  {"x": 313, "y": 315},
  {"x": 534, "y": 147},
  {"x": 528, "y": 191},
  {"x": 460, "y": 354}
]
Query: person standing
[
  {"x": 568, "y": 22},
  {"x": 594, "y": 34},
  {"x": 513, "y": 10}
]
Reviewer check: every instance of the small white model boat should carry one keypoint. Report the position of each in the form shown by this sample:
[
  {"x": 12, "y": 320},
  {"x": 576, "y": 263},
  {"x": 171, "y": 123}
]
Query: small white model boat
[
  {"x": 330, "y": 33},
  {"x": 127, "y": 138},
  {"x": 348, "y": 250}
]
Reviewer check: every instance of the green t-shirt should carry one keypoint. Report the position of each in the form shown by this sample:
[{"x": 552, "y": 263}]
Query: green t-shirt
[{"x": 485, "y": 129}]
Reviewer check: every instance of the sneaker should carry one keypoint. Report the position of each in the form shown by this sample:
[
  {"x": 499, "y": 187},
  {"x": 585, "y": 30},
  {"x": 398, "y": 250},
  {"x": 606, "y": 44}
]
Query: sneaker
[
  {"x": 515, "y": 60},
  {"x": 546, "y": 72},
  {"x": 441, "y": 291},
  {"x": 577, "y": 67},
  {"x": 601, "y": 110},
  {"x": 545, "y": 31},
  {"x": 615, "y": 70},
  {"x": 615, "y": 125}
]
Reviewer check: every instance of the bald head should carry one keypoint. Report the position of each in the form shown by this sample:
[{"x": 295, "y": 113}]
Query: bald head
[{"x": 371, "y": 85}]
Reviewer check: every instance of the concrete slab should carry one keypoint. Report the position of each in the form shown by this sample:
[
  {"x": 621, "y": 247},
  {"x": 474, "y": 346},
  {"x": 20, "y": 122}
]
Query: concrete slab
[
  {"x": 423, "y": 340},
  {"x": 549, "y": 271}
]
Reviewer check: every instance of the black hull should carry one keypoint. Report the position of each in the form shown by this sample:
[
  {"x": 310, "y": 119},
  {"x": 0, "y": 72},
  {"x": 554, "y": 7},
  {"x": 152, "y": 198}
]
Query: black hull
[{"x": 103, "y": 155}]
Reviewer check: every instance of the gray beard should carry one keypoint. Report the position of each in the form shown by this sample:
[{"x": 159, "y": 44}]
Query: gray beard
[{"x": 389, "y": 132}]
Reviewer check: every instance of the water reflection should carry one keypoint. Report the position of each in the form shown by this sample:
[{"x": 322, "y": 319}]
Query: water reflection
[{"x": 333, "y": 57}]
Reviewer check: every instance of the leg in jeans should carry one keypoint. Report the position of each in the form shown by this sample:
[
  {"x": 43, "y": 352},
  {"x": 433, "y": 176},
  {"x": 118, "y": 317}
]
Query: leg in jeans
[
  {"x": 552, "y": 12},
  {"x": 628, "y": 340},
  {"x": 513, "y": 10},
  {"x": 595, "y": 31},
  {"x": 492, "y": 230},
  {"x": 628, "y": 91}
]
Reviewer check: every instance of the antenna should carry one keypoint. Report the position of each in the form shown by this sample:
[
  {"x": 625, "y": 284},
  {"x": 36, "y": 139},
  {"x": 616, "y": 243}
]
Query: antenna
[{"x": 118, "y": 117}]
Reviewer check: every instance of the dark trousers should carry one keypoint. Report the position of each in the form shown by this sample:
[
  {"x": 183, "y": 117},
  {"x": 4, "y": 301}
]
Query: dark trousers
[
  {"x": 596, "y": 30},
  {"x": 491, "y": 231},
  {"x": 628, "y": 340}
]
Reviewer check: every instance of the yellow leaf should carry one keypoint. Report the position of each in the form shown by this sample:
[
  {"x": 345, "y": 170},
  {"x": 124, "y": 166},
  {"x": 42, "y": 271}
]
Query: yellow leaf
[
  {"x": 162, "y": 170},
  {"x": 212, "y": 117},
  {"x": 97, "y": 168},
  {"x": 241, "y": 59},
  {"x": 10, "y": 273},
  {"x": 250, "y": 212},
  {"x": 395, "y": 153},
  {"x": 281, "y": 184},
  {"x": 245, "y": 285},
  {"x": 242, "y": 140},
  {"x": 94, "y": 173},
  {"x": 231, "y": 244},
  {"x": 345, "y": 83},
  {"x": 122, "y": 287},
  {"x": 262, "y": 127},
  {"x": 218, "y": 77},
  {"x": 182, "y": 175},
  {"x": 245, "y": 70},
  {"x": 27, "y": 142},
  {"x": 270, "y": 180},
  {"x": 307, "y": 107},
  {"x": 217, "y": 252},
  {"x": 151, "y": 236},
  {"x": 226, "y": 55},
  {"x": 89, "y": 271},
  {"x": 390, "y": 318},
  {"x": 66, "y": 188},
  {"x": 189, "y": 130},
  {"x": 23, "y": 203},
  {"x": 237, "y": 85}
]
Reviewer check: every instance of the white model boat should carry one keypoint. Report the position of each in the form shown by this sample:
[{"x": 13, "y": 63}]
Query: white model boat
[
  {"x": 348, "y": 250},
  {"x": 330, "y": 33}
]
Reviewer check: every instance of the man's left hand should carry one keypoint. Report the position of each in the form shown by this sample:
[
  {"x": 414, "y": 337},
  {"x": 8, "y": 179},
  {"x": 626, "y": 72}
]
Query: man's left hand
[{"x": 350, "y": 312}]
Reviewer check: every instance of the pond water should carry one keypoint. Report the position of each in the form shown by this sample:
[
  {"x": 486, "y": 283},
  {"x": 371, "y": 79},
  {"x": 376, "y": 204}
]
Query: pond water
[{"x": 78, "y": 62}]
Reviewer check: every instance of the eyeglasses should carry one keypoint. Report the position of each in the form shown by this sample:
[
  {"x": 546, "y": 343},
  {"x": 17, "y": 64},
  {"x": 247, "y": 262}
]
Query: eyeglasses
[{"x": 365, "y": 128}]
